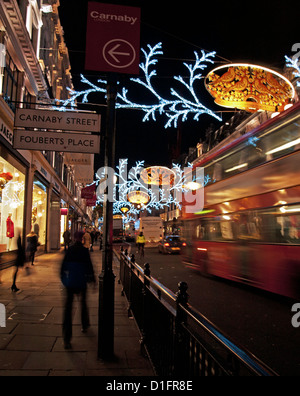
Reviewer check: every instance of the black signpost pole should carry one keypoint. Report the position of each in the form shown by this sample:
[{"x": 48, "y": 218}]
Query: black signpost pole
[
  {"x": 112, "y": 49},
  {"x": 107, "y": 277}
]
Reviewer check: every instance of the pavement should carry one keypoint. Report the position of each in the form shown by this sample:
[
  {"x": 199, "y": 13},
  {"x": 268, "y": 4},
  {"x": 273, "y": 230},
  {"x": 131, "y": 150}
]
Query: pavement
[{"x": 31, "y": 344}]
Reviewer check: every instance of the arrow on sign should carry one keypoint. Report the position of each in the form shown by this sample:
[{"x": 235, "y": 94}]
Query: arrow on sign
[
  {"x": 113, "y": 52},
  {"x": 117, "y": 57}
]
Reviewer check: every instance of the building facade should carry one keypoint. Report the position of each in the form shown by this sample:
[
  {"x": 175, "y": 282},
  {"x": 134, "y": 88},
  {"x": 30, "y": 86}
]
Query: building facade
[{"x": 38, "y": 190}]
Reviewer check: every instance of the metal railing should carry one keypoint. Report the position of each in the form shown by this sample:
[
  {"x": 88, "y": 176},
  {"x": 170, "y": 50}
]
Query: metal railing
[{"x": 177, "y": 338}]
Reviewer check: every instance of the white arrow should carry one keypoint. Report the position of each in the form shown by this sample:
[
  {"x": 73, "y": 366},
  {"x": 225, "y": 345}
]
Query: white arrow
[{"x": 113, "y": 53}]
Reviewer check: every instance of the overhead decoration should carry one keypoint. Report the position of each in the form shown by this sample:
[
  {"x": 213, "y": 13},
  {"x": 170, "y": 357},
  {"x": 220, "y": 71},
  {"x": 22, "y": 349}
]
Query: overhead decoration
[
  {"x": 249, "y": 87},
  {"x": 181, "y": 104},
  {"x": 134, "y": 192},
  {"x": 138, "y": 197},
  {"x": 295, "y": 64},
  {"x": 158, "y": 176}
]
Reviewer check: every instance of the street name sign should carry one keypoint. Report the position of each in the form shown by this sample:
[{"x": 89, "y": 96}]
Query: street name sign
[
  {"x": 113, "y": 38},
  {"x": 56, "y": 141},
  {"x": 57, "y": 120}
]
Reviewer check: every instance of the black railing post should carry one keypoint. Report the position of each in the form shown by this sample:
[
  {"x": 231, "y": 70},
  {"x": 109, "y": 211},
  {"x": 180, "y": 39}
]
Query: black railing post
[
  {"x": 145, "y": 313},
  {"x": 180, "y": 349},
  {"x": 147, "y": 272},
  {"x": 132, "y": 261}
]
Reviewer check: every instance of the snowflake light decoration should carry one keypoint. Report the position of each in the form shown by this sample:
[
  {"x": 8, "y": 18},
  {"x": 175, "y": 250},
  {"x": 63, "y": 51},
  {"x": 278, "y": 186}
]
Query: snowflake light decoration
[
  {"x": 295, "y": 64},
  {"x": 178, "y": 107},
  {"x": 160, "y": 196}
]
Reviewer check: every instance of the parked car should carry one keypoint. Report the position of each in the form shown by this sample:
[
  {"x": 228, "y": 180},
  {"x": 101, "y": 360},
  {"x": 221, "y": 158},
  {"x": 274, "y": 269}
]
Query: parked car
[{"x": 171, "y": 244}]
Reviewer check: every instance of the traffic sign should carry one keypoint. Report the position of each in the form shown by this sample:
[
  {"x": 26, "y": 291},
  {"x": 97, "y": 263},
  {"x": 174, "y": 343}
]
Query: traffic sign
[{"x": 113, "y": 38}]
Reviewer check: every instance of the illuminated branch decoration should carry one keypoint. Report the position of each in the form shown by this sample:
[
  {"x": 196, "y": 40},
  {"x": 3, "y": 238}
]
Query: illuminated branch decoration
[
  {"x": 295, "y": 64},
  {"x": 84, "y": 94},
  {"x": 176, "y": 108},
  {"x": 159, "y": 196}
]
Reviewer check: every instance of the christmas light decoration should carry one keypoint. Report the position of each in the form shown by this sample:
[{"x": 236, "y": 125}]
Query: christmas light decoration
[
  {"x": 178, "y": 107},
  {"x": 249, "y": 87},
  {"x": 5, "y": 177},
  {"x": 174, "y": 109},
  {"x": 13, "y": 194},
  {"x": 159, "y": 196},
  {"x": 295, "y": 64},
  {"x": 158, "y": 175}
]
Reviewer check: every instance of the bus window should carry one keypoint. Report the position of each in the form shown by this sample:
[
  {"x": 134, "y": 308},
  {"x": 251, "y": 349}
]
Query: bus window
[
  {"x": 226, "y": 230},
  {"x": 289, "y": 228},
  {"x": 249, "y": 227}
]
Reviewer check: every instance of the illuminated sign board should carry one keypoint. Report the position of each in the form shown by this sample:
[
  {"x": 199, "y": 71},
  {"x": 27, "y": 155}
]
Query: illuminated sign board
[{"x": 113, "y": 38}]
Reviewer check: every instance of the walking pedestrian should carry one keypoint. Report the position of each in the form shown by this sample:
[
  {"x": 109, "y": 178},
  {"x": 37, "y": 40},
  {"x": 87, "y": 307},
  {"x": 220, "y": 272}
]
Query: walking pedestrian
[
  {"x": 76, "y": 272},
  {"x": 140, "y": 241},
  {"x": 20, "y": 260},
  {"x": 67, "y": 238},
  {"x": 86, "y": 239},
  {"x": 32, "y": 244}
]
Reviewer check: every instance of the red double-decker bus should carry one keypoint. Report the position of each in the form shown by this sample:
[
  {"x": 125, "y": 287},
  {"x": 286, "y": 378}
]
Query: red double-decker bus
[{"x": 249, "y": 228}]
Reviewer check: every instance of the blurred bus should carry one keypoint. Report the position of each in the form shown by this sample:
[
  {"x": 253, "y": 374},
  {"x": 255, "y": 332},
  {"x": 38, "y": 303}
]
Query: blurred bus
[{"x": 249, "y": 228}]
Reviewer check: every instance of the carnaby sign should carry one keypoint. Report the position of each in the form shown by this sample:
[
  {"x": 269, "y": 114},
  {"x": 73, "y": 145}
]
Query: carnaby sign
[
  {"x": 57, "y": 120},
  {"x": 113, "y": 38},
  {"x": 101, "y": 17}
]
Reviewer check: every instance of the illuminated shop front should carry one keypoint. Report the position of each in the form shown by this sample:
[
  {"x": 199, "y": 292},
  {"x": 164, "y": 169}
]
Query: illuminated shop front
[
  {"x": 64, "y": 224},
  {"x": 12, "y": 192},
  {"x": 39, "y": 210}
]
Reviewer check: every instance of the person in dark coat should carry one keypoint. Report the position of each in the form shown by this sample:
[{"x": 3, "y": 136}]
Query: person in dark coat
[
  {"x": 67, "y": 238},
  {"x": 76, "y": 272},
  {"x": 20, "y": 260},
  {"x": 32, "y": 244}
]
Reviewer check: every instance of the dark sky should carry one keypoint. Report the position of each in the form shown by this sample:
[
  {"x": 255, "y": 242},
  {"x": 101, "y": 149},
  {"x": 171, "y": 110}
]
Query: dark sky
[{"x": 260, "y": 32}]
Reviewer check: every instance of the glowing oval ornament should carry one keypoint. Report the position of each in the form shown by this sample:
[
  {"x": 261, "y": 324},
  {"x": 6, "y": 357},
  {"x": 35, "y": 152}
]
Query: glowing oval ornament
[
  {"x": 158, "y": 176},
  {"x": 249, "y": 87},
  {"x": 138, "y": 197}
]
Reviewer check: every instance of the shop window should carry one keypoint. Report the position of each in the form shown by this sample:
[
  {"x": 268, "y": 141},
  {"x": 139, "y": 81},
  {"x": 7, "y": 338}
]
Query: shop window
[
  {"x": 12, "y": 187},
  {"x": 39, "y": 211}
]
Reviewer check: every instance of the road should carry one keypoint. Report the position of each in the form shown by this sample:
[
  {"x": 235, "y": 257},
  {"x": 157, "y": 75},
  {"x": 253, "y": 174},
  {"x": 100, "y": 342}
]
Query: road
[{"x": 259, "y": 321}]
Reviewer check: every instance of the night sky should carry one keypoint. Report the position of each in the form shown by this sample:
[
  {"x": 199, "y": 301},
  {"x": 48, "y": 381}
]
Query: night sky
[{"x": 260, "y": 32}]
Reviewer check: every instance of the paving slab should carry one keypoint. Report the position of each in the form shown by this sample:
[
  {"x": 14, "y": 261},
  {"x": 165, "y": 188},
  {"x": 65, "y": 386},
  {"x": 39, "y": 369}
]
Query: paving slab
[{"x": 31, "y": 344}]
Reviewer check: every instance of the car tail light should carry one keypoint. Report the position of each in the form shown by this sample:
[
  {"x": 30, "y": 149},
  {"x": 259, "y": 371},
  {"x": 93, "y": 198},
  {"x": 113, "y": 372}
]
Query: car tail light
[
  {"x": 184, "y": 244},
  {"x": 167, "y": 244}
]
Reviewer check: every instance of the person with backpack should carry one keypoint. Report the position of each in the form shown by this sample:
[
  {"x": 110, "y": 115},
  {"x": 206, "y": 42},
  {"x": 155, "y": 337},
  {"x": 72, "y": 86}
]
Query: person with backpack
[{"x": 76, "y": 272}]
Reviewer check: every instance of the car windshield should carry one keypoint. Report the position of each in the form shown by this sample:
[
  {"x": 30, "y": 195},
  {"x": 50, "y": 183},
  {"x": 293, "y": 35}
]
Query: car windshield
[{"x": 173, "y": 239}]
